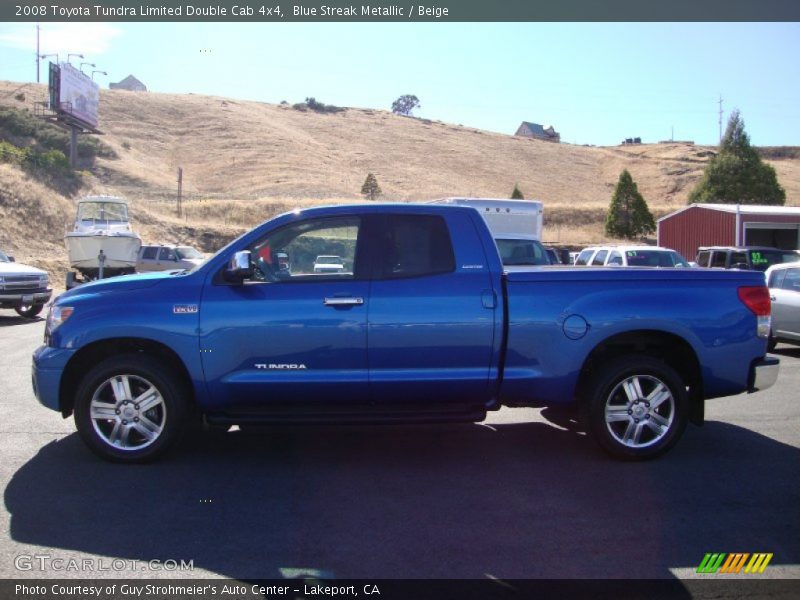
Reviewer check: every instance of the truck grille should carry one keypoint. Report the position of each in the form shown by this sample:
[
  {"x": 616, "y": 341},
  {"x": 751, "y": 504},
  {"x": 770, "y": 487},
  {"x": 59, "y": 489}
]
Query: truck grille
[{"x": 21, "y": 283}]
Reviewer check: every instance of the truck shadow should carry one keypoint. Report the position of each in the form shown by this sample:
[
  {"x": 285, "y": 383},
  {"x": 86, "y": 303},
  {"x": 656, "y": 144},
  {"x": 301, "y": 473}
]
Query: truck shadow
[
  {"x": 787, "y": 350},
  {"x": 10, "y": 319},
  {"x": 456, "y": 501}
]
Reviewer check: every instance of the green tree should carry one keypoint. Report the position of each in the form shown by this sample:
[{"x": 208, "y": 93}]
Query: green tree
[
  {"x": 628, "y": 215},
  {"x": 405, "y": 104},
  {"x": 737, "y": 175},
  {"x": 371, "y": 189},
  {"x": 517, "y": 194}
]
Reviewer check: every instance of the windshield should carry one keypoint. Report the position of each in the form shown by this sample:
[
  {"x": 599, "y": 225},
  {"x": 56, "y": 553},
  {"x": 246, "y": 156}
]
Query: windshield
[
  {"x": 329, "y": 260},
  {"x": 763, "y": 259},
  {"x": 655, "y": 258},
  {"x": 187, "y": 252},
  {"x": 102, "y": 211},
  {"x": 522, "y": 252},
  {"x": 3, "y": 257}
]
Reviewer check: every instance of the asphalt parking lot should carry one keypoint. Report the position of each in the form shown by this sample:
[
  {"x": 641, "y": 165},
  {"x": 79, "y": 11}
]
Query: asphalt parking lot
[{"x": 516, "y": 497}]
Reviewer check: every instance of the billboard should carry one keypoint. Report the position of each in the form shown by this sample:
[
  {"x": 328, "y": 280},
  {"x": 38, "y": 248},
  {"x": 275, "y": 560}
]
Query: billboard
[{"x": 77, "y": 95}]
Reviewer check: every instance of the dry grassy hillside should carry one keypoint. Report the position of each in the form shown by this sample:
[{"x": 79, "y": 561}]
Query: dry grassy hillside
[{"x": 233, "y": 150}]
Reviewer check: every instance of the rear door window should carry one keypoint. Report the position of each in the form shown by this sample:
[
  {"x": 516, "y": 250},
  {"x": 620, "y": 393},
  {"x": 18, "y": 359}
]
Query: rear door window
[
  {"x": 167, "y": 254},
  {"x": 615, "y": 258},
  {"x": 150, "y": 253},
  {"x": 413, "y": 246},
  {"x": 583, "y": 258},
  {"x": 599, "y": 258},
  {"x": 739, "y": 260},
  {"x": 776, "y": 278},
  {"x": 718, "y": 259},
  {"x": 792, "y": 280}
]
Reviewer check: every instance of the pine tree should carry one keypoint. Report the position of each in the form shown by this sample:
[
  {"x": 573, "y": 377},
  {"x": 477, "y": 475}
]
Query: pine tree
[
  {"x": 628, "y": 215},
  {"x": 737, "y": 175},
  {"x": 517, "y": 194},
  {"x": 371, "y": 189}
]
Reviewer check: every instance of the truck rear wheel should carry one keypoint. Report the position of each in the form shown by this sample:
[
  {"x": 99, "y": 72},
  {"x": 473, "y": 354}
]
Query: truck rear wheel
[
  {"x": 130, "y": 408},
  {"x": 637, "y": 407}
]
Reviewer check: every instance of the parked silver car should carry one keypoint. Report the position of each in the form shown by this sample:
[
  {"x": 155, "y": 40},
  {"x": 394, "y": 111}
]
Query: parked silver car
[
  {"x": 784, "y": 290},
  {"x": 167, "y": 257}
]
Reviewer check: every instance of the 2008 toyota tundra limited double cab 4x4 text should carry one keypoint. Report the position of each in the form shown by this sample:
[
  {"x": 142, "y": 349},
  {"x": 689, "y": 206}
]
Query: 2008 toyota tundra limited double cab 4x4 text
[{"x": 420, "y": 324}]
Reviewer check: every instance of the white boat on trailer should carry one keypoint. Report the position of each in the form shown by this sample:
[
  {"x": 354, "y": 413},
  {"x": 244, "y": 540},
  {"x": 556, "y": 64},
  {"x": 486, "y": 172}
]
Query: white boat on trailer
[{"x": 101, "y": 243}]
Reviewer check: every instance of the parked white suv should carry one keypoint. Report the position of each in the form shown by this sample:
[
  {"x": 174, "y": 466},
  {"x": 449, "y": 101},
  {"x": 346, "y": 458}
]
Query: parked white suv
[
  {"x": 328, "y": 264},
  {"x": 23, "y": 288},
  {"x": 630, "y": 256}
]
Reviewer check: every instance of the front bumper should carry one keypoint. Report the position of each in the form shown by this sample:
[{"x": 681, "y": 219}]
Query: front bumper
[
  {"x": 763, "y": 374},
  {"x": 48, "y": 367},
  {"x": 13, "y": 299}
]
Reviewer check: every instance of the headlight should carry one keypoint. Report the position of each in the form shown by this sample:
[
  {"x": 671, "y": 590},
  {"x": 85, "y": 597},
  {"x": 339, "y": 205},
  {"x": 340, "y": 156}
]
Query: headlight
[
  {"x": 44, "y": 279},
  {"x": 55, "y": 317}
]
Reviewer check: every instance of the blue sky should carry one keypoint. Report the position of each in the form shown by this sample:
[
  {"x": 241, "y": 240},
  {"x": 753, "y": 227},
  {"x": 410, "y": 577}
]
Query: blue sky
[{"x": 596, "y": 83}]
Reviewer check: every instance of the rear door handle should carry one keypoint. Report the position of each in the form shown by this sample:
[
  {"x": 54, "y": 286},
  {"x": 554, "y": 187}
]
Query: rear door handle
[{"x": 343, "y": 301}]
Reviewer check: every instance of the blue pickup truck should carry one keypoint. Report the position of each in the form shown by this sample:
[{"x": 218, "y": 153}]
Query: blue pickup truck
[{"x": 418, "y": 322}]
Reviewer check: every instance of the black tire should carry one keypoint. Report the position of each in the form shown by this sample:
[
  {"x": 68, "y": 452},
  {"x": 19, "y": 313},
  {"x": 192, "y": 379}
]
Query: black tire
[
  {"x": 123, "y": 430},
  {"x": 29, "y": 311},
  {"x": 646, "y": 419}
]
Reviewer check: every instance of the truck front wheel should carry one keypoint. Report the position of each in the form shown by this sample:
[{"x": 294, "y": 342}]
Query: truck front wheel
[
  {"x": 130, "y": 408},
  {"x": 29, "y": 311},
  {"x": 637, "y": 407}
]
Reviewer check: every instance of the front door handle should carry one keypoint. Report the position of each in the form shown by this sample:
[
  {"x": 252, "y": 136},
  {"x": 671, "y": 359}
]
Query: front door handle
[
  {"x": 343, "y": 301},
  {"x": 773, "y": 298}
]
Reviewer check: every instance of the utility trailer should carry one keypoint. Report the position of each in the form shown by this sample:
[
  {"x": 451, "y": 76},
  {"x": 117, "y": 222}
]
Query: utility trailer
[{"x": 515, "y": 225}]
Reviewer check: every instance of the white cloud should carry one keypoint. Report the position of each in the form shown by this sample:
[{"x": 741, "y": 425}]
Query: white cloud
[{"x": 89, "y": 39}]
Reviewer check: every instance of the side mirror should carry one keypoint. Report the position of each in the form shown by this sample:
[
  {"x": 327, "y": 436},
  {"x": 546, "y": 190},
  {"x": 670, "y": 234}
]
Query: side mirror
[
  {"x": 11, "y": 258},
  {"x": 239, "y": 268}
]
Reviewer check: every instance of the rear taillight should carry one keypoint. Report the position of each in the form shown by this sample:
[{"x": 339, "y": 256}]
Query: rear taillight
[{"x": 756, "y": 298}]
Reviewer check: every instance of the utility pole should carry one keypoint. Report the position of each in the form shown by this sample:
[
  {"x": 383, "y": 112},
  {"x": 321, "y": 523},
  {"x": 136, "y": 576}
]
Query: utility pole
[
  {"x": 37, "y": 53},
  {"x": 73, "y": 146},
  {"x": 720, "y": 118},
  {"x": 180, "y": 188}
]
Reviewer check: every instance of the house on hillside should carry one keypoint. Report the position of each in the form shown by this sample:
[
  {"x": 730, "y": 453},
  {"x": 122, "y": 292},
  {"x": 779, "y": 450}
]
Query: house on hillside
[
  {"x": 130, "y": 83},
  {"x": 539, "y": 132}
]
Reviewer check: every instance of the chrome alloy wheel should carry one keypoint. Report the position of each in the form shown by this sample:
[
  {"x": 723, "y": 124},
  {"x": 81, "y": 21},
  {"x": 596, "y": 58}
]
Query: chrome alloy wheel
[
  {"x": 639, "y": 411},
  {"x": 128, "y": 412}
]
